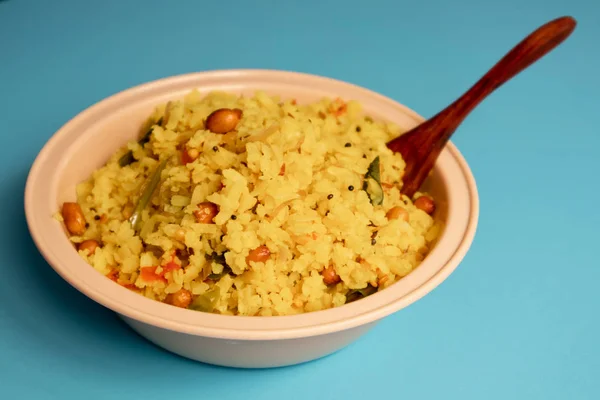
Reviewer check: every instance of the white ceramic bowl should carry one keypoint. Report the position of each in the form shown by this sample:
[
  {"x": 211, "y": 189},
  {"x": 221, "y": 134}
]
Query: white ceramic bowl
[{"x": 86, "y": 142}]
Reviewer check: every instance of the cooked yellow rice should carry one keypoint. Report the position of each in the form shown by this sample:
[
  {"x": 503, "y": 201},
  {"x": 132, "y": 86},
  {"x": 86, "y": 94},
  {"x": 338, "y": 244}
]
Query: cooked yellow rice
[{"x": 285, "y": 176}]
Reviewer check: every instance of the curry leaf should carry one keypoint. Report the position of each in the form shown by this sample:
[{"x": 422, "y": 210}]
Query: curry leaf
[
  {"x": 372, "y": 183},
  {"x": 216, "y": 277},
  {"x": 219, "y": 259},
  {"x": 357, "y": 294}
]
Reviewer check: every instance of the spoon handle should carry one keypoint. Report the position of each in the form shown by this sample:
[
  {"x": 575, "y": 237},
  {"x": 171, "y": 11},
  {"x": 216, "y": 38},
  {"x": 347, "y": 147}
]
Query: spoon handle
[
  {"x": 425, "y": 142},
  {"x": 529, "y": 50}
]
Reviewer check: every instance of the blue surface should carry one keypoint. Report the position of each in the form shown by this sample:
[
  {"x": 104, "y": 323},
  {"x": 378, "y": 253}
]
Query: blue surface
[{"x": 519, "y": 318}]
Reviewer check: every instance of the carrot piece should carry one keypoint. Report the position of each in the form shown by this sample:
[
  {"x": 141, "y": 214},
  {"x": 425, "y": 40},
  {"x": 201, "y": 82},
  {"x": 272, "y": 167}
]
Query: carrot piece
[
  {"x": 113, "y": 275},
  {"x": 129, "y": 286},
  {"x": 185, "y": 157},
  {"x": 171, "y": 266},
  {"x": 149, "y": 274},
  {"x": 338, "y": 107}
]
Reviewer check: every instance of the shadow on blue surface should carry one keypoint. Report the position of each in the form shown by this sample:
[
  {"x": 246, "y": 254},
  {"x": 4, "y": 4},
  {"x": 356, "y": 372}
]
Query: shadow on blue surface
[
  {"x": 47, "y": 315},
  {"x": 59, "y": 334}
]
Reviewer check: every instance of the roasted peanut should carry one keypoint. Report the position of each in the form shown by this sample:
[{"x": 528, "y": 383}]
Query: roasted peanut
[
  {"x": 426, "y": 204},
  {"x": 206, "y": 212},
  {"x": 397, "y": 213},
  {"x": 90, "y": 245},
  {"x": 181, "y": 298},
  {"x": 330, "y": 277},
  {"x": 74, "y": 219},
  {"x": 223, "y": 120}
]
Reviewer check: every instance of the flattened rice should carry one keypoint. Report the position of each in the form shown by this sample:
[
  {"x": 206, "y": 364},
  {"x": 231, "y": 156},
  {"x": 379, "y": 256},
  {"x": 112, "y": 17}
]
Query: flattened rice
[{"x": 253, "y": 206}]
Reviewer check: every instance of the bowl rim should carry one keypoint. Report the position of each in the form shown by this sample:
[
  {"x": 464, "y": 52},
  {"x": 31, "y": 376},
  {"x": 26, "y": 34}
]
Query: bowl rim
[{"x": 239, "y": 327}]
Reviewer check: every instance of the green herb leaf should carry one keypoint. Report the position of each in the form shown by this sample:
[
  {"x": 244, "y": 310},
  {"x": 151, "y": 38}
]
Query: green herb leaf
[
  {"x": 144, "y": 199},
  {"x": 372, "y": 183},
  {"x": 219, "y": 259},
  {"x": 357, "y": 294},
  {"x": 216, "y": 277},
  {"x": 128, "y": 158}
]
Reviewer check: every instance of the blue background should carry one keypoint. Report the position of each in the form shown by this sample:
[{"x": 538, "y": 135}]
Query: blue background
[{"x": 518, "y": 319}]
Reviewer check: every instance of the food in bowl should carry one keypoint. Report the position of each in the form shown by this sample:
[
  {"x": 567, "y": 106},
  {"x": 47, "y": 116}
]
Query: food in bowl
[{"x": 253, "y": 206}]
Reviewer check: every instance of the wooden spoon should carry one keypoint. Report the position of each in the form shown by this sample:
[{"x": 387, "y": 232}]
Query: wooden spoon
[{"x": 421, "y": 146}]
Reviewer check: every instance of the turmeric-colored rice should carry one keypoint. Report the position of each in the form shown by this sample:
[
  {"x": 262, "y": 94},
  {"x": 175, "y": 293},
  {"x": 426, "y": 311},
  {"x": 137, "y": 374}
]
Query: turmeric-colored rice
[{"x": 287, "y": 184}]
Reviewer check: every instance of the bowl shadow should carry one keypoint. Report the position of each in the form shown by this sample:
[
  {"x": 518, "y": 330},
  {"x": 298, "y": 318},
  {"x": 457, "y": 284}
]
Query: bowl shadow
[{"x": 42, "y": 311}]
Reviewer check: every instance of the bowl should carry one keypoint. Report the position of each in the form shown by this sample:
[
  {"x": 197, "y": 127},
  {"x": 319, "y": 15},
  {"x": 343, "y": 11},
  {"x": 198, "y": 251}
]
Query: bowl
[{"x": 86, "y": 142}]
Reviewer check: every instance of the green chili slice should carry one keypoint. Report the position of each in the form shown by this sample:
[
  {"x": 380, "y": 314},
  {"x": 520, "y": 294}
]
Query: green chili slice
[
  {"x": 144, "y": 199},
  {"x": 128, "y": 158},
  {"x": 206, "y": 302}
]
